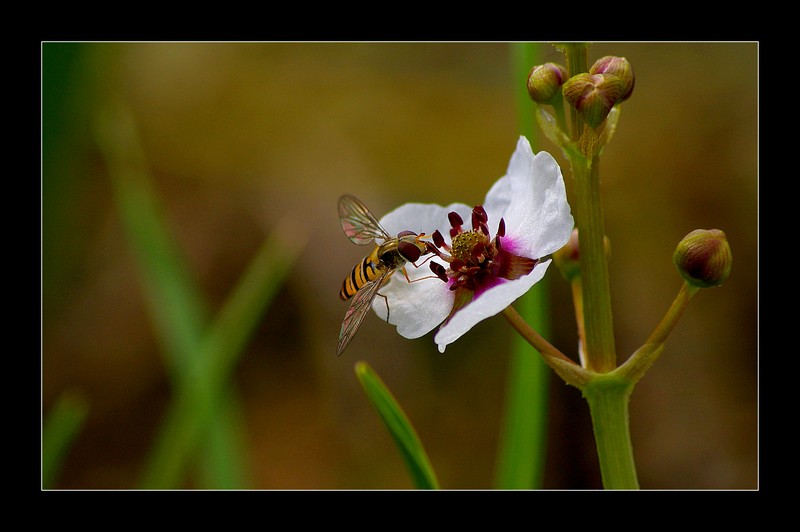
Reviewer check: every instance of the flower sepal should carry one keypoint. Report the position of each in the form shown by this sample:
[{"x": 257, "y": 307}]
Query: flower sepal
[
  {"x": 607, "y": 129},
  {"x": 549, "y": 126}
]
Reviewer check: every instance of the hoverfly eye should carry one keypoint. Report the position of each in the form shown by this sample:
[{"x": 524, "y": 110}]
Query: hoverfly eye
[
  {"x": 408, "y": 250},
  {"x": 406, "y": 233}
]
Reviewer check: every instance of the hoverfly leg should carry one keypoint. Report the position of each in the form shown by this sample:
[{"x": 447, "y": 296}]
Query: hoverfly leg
[
  {"x": 386, "y": 300},
  {"x": 423, "y": 262},
  {"x": 405, "y": 273},
  {"x": 421, "y": 278}
]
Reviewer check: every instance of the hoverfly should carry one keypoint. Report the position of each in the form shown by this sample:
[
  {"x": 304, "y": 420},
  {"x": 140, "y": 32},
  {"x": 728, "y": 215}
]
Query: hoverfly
[{"x": 374, "y": 270}]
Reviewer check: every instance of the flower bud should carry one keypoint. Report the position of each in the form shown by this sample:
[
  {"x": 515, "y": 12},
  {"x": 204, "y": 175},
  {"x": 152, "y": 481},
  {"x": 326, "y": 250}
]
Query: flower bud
[
  {"x": 704, "y": 258},
  {"x": 593, "y": 95},
  {"x": 617, "y": 66},
  {"x": 544, "y": 82}
]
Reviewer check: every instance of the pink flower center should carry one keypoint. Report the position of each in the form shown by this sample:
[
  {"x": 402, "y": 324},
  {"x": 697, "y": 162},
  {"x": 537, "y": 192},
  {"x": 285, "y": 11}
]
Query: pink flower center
[{"x": 476, "y": 261}]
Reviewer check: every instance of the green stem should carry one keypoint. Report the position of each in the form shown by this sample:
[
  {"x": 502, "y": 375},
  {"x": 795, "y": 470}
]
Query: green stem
[
  {"x": 599, "y": 348},
  {"x": 674, "y": 313},
  {"x": 599, "y": 340},
  {"x": 635, "y": 367},
  {"x": 568, "y": 370},
  {"x": 577, "y": 301},
  {"x": 608, "y": 394},
  {"x": 608, "y": 397}
]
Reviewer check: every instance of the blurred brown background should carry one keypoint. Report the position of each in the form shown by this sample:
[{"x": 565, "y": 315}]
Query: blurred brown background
[{"x": 240, "y": 134}]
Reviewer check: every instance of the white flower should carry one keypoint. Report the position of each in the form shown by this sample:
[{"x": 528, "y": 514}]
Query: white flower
[{"x": 479, "y": 272}]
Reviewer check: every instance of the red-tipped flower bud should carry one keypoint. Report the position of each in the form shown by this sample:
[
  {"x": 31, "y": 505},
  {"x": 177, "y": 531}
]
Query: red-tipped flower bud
[
  {"x": 544, "y": 82},
  {"x": 617, "y": 66},
  {"x": 593, "y": 95},
  {"x": 704, "y": 258}
]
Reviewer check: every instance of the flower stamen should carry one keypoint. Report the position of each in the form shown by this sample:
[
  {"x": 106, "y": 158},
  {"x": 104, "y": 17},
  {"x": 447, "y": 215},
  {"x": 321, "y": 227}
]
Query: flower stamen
[
  {"x": 476, "y": 261},
  {"x": 455, "y": 223}
]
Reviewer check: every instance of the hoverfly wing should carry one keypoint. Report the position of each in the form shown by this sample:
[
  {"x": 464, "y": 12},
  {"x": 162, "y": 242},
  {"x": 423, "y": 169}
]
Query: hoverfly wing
[
  {"x": 358, "y": 223},
  {"x": 359, "y": 308}
]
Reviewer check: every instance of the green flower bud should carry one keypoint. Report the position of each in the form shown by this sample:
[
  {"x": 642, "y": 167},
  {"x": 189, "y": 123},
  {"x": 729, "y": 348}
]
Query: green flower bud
[
  {"x": 704, "y": 258},
  {"x": 544, "y": 82},
  {"x": 593, "y": 95},
  {"x": 620, "y": 67}
]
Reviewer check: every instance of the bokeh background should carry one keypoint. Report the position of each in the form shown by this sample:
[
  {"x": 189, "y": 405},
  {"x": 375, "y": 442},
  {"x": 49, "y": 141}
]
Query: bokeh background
[{"x": 241, "y": 137}]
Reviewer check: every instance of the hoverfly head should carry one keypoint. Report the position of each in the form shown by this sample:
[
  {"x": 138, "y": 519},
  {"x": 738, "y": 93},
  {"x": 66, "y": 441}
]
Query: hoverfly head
[{"x": 411, "y": 246}]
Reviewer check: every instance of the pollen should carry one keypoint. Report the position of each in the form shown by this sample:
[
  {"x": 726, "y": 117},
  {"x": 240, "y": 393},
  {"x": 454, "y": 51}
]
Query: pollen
[{"x": 464, "y": 243}]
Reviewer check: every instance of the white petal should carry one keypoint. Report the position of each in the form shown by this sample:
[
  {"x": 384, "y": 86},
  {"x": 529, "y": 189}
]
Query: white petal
[
  {"x": 488, "y": 304},
  {"x": 423, "y": 218},
  {"x": 536, "y": 212},
  {"x": 502, "y": 195},
  {"x": 497, "y": 201},
  {"x": 415, "y": 308}
]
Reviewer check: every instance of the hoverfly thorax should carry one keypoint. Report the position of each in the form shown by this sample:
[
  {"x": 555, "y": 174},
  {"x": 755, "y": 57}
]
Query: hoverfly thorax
[{"x": 407, "y": 247}]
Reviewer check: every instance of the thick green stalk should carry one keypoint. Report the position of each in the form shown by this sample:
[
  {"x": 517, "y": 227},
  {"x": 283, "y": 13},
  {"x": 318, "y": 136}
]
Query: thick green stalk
[
  {"x": 585, "y": 163},
  {"x": 599, "y": 348},
  {"x": 608, "y": 394},
  {"x": 608, "y": 397}
]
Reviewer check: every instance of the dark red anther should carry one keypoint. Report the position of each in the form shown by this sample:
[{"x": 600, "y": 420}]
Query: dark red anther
[
  {"x": 439, "y": 271},
  {"x": 455, "y": 220},
  {"x": 406, "y": 233},
  {"x": 438, "y": 239},
  {"x": 501, "y": 229},
  {"x": 457, "y": 264},
  {"x": 479, "y": 218}
]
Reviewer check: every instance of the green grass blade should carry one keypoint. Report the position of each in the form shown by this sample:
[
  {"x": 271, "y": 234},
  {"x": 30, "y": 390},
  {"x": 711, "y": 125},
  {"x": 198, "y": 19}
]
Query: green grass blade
[
  {"x": 401, "y": 430},
  {"x": 59, "y": 430},
  {"x": 523, "y": 438},
  {"x": 197, "y": 400},
  {"x": 177, "y": 306},
  {"x": 174, "y": 302},
  {"x": 220, "y": 465},
  {"x": 523, "y": 57}
]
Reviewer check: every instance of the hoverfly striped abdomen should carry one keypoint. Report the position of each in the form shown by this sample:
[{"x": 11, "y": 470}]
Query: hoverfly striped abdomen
[{"x": 363, "y": 272}]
